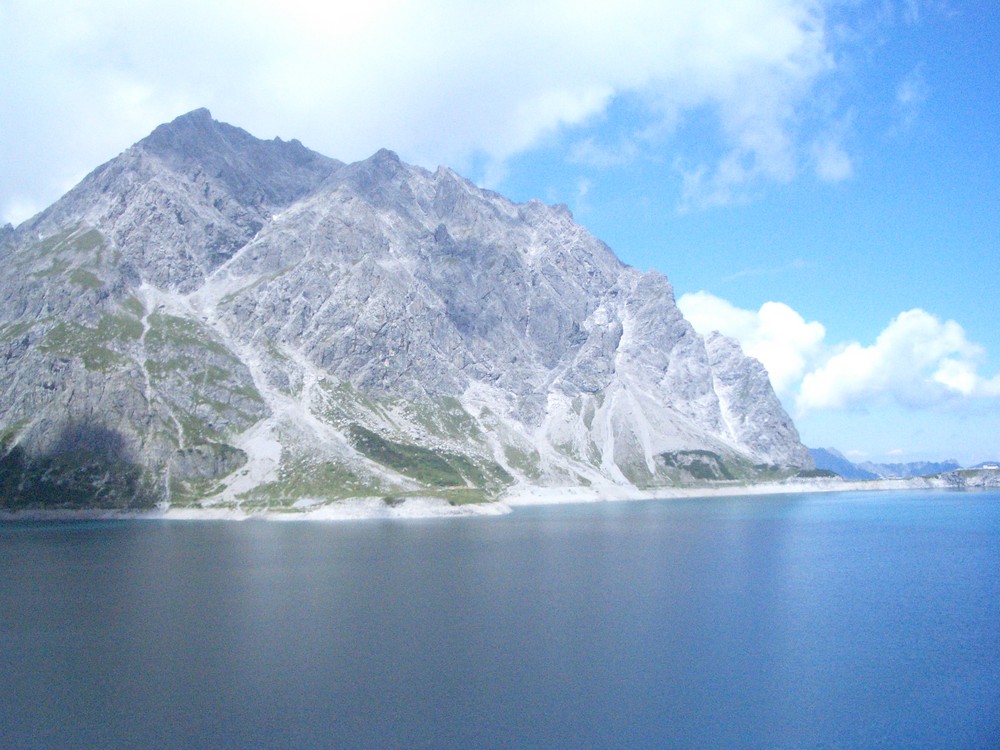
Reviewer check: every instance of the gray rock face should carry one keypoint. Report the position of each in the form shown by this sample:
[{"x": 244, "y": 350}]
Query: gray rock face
[
  {"x": 969, "y": 479},
  {"x": 359, "y": 329},
  {"x": 751, "y": 411},
  {"x": 180, "y": 202}
]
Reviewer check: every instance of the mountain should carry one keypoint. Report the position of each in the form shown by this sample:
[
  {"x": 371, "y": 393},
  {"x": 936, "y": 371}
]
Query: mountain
[
  {"x": 214, "y": 318},
  {"x": 912, "y": 469},
  {"x": 833, "y": 460}
]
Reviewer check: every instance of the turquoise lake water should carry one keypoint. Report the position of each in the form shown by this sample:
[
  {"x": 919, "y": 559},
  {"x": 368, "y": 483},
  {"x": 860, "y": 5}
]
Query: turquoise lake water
[{"x": 856, "y": 620}]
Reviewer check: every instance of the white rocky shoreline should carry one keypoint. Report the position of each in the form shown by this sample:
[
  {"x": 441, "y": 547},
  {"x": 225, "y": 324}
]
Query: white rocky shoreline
[{"x": 373, "y": 508}]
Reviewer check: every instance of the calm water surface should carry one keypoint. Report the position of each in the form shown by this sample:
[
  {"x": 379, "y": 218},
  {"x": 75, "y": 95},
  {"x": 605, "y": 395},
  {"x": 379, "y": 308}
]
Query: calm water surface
[{"x": 808, "y": 621}]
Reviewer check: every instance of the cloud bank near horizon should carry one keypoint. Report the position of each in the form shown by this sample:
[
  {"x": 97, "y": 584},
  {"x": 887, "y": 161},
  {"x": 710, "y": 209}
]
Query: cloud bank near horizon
[
  {"x": 441, "y": 81},
  {"x": 917, "y": 362}
]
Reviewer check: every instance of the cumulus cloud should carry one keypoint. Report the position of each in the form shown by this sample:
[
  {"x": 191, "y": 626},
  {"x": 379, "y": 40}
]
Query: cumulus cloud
[
  {"x": 918, "y": 361},
  {"x": 440, "y": 81},
  {"x": 775, "y": 334}
]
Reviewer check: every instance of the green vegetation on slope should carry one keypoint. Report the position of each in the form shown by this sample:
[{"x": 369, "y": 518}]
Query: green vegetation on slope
[
  {"x": 697, "y": 466},
  {"x": 429, "y": 467},
  {"x": 96, "y": 346},
  {"x": 421, "y": 464}
]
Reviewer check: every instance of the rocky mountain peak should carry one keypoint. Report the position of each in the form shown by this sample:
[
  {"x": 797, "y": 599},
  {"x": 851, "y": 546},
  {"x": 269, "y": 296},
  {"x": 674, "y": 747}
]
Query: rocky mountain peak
[
  {"x": 385, "y": 157},
  {"x": 183, "y": 200},
  {"x": 382, "y": 179},
  {"x": 255, "y": 172},
  {"x": 193, "y": 125},
  {"x": 251, "y": 322}
]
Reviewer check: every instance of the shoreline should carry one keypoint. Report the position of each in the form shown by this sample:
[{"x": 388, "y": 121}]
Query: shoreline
[
  {"x": 614, "y": 493},
  {"x": 426, "y": 507},
  {"x": 360, "y": 509}
]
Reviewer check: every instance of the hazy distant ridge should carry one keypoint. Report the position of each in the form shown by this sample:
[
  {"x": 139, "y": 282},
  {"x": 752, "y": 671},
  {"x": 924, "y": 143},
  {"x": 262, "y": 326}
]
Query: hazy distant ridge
[{"x": 833, "y": 460}]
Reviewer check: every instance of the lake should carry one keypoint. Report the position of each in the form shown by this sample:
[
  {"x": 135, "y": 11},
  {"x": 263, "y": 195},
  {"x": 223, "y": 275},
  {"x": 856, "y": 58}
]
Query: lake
[{"x": 854, "y": 620}]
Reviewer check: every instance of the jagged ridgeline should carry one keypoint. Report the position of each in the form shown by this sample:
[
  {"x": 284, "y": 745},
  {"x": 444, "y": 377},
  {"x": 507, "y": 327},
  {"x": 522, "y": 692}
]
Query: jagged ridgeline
[{"x": 213, "y": 318}]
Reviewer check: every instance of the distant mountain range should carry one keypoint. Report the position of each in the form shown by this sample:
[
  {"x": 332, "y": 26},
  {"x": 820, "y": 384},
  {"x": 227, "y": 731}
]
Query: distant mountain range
[
  {"x": 833, "y": 460},
  {"x": 210, "y": 317}
]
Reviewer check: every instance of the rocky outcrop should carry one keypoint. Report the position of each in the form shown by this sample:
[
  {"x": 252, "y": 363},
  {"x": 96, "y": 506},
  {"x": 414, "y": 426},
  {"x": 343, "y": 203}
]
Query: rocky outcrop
[
  {"x": 969, "y": 479},
  {"x": 751, "y": 411},
  {"x": 241, "y": 311}
]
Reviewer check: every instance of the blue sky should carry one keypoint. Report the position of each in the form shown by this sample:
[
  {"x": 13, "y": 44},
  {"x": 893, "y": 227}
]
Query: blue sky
[{"x": 819, "y": 179}]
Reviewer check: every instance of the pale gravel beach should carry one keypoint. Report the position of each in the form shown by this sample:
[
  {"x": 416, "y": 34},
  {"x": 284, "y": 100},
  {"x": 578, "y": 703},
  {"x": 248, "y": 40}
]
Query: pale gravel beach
[
  {"x": 339, "y": 510},
  {"x": 611, "y": 493},
  {"x": 428, "y": 507}
]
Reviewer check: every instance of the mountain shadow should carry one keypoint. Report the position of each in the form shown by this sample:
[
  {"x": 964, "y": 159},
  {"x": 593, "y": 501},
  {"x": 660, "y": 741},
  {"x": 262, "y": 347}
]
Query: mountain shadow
[{"x": 88, "y": 465}]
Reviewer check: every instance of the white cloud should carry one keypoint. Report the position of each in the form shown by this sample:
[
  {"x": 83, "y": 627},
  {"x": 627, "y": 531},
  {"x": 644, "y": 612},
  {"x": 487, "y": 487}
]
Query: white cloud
[
  {"x": 775, "y": 334},
  {"x": 831, "y": 161},
  {"x": 440, "y": 81},
  {"x": 911, "y": 95},
  {"x": 918, "y": 361}
]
